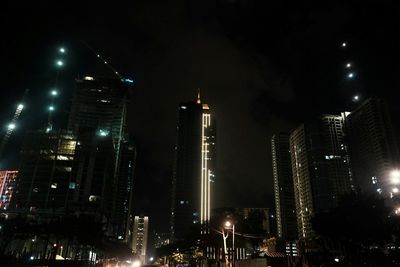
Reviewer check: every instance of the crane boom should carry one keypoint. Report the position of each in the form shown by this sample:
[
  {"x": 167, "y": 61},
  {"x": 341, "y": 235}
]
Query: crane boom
[{"x": 11, "y": 126}]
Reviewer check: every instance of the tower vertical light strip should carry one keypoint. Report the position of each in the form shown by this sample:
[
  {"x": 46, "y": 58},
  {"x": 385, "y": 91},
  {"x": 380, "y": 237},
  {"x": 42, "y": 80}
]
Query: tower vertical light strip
[
  {"x": 202, "y": 171},
  {"x": 205, "y": 172}
]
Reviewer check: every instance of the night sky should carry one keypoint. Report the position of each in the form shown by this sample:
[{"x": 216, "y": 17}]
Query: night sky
[{"x": 262, "y": 67}]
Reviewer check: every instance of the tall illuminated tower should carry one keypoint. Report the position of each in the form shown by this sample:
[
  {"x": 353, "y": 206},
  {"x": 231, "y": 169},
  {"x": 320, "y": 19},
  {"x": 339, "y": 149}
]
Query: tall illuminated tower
[
  {"x": 320, "y": 168},
  {"x": 283, "y": 187},
  {"x": 194, "y": 169}
]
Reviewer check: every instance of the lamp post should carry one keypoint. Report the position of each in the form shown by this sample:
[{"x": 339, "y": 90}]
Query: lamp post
[{"x": 229, "y": 225}]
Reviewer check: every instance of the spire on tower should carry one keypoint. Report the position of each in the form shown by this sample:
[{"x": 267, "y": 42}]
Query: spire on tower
[{"x": 198, "y": 96}]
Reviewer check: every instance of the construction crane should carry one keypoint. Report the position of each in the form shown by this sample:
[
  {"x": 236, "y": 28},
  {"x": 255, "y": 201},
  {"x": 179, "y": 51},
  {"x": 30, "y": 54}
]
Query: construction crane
[{"x": 13, "y": 124}]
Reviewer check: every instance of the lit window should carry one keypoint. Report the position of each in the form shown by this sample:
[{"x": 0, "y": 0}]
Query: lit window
[{"x": 72, "y": 185}]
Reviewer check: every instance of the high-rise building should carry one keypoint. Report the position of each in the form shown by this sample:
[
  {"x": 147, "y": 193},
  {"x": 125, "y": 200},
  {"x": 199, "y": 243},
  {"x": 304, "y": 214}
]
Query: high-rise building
[
  {"x": 194, "y": 169},
  {"x": 373, "y": 146},
  {"x": 124, "y": 190},
  {"x": 283, "y": 187},
  {"x": 100, "y": 106},
  {"x": 7, "y": 187},
  {"x": 93, "y": 176},
  {"x": 332, "y": 128},
  {"x": 140, "y": 237},
  {"x": 44, "y": 180},
  {"x": 320, "y": 168}
]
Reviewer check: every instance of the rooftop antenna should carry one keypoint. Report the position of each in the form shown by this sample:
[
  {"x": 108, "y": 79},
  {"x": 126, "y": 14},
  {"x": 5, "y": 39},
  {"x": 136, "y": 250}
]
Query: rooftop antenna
[{"x": 198, "y": 96}]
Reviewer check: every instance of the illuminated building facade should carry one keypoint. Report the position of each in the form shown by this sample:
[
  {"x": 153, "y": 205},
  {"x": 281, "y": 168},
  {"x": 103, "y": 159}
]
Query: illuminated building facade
[
  {"x": 194, "y": 169},
  {"x": 99, "y": 108},
  {"x": 44, "y": 180},
  {"x": 283, "y": 187},
  {"x": 320, "y": 168},
  {"x": 7, "y": 187},
  {"x": 373, "y": 146},
  {"x": 140, "y": 237}
]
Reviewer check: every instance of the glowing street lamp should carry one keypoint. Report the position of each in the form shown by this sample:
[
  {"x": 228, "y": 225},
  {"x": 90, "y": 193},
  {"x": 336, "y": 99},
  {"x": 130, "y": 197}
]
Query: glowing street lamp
[
  {"x": 54, "y": 93},
  {"x": 344, "y": 44},
  {"x": 51, "y": 108},
  {"x": 395, "y": 190},
  {"x": 229, "y": 225},
  {"x": 350, "y": 75},
  {"x": 62, "y": 50},
  {"x": 348, "y": 65},
  {"x": 60, "y": 63},
  {"x": 11, "y": 126}
]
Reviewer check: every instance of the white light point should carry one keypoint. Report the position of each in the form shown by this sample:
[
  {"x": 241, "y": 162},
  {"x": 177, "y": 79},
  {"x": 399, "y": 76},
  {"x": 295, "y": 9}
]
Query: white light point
[
  {"x": 60, "y": 63},
  {"x": 344, "y": 44},
  {"x": 11, "y": 126},
  {"x": 348, "y": 65},
  {"x": 350, "y": 75},
  {"x": 395, "y": 190},
  {"x": 54, "y": 92},
  {"x": 395, "y": 177},
  {"x": 62, "y": 50}
]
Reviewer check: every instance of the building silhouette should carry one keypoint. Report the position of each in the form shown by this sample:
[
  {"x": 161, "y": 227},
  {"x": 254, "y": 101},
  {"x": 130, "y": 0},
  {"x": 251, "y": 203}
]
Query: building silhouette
[
  {"x": 320, "y": 168},
  {"x": 194, "y": 169},
  {"x": 373, "y": 146},
  {"x": 283, "y": 187}
]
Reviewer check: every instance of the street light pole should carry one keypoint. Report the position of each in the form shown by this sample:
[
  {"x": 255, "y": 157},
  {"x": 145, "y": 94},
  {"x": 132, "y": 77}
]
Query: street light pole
[{"x": 233, "y": 245}]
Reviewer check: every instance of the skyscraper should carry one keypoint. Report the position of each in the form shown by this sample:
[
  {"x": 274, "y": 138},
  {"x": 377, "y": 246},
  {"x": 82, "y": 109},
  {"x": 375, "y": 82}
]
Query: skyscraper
[
  {"x": 194, "y": 169},
  {"x": 283, "y": 187},
  {"x": 140, "y": 237},
  {"x": 100, "y": 104},
  {"x": 320, "y": 168},
  {"x": 372, "y": 145},
  {"x": 44, "y": 180},
  {"x": 99, "y": 108}
]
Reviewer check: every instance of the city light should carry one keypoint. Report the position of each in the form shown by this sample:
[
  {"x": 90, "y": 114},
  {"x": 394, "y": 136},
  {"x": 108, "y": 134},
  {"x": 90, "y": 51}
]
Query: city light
[
  {"x": 136, "y": 263},
  {"x": 395, "y": 190},
  {"x": 11, "y": 126},
  {"x": 344, "y": 44},
  {"x": 348, "y": 65},
  {"x": 103, "y": 132},
  {"x": 350, "y": 75},
  {"x": 62, "y": 50},
  {"x": 20, "y": 106},
  {"x": 228, "y": 224},
  {"x": 397, "y": 211},
  {"x": 356, "y": 98},
  {"x": 32, "y": 258},
  {"x": 151, "y": 259},
  {"x": 60, "y": 63},
  {"x": 395, "y": 177},
  {"x": 54, "y": 92},
  {"x": 51, "y": 108}
]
